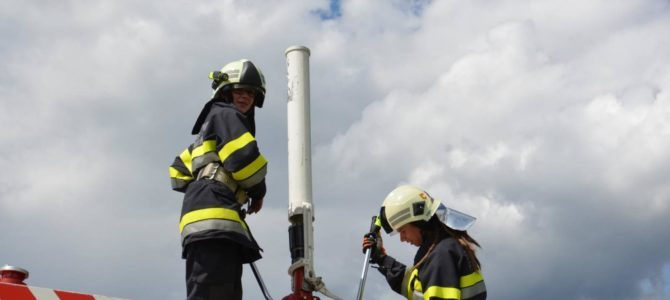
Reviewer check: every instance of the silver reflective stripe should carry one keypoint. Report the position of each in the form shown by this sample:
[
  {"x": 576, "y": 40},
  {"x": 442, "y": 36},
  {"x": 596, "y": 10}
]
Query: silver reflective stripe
[
  {"x": 254, "y": 179},
  {"x": 216, "y": 224},
  {"x": 178, "y": 183},
  {"x": 417, "y": 295},
  {"x": 473, "y": 290},
  {"x": 41, "y": 293},
  {"x": 202, "y": 160},
  {"x": 400, "y": 216},
  {"x": 215, "y": 171}
]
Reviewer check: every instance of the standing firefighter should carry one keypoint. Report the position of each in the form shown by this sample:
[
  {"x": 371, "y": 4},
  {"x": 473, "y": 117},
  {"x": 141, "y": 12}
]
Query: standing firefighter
[
  {"x": 219, "y": 173},
  {"x": 445, "y": 266}
]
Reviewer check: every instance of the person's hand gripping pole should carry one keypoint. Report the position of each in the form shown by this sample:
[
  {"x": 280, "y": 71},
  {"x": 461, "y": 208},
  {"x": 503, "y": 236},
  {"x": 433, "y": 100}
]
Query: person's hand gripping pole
[{"x": 373, "y": 248}]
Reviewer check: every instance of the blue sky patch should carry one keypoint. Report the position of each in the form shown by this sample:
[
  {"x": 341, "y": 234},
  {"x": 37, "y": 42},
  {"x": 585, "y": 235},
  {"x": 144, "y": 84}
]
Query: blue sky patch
[
  {"x": 414, "y": 7},
  {"x": 334, "y": 11}
]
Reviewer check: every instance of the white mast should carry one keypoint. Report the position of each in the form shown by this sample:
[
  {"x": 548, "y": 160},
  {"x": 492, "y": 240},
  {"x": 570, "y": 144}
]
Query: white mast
[{"x": 300, "y": 209}]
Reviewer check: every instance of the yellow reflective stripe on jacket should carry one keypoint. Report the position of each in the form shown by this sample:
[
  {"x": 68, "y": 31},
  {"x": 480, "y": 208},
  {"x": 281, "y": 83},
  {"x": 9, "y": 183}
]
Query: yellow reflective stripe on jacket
[
  {"x": 207, "y": 146},
  {"x": 472, "y": 285},
  {"x": 174, "y": 173},
  {"x": 251, "y": 168},
  {"x": 405, "y": 282},
  {"x": 414, "y": 285},
  {"x": 417, "y": 285},
  {"x": 451, "y": 292},
  {"x": 185, "y": 157},
  {"x": 471, "y": 279},
  {"x": 442, "y": 292},
  {"x": 210, "y": 213},
  {"x": 413, "y": 274},
  {"x": 235, "y": 145}
]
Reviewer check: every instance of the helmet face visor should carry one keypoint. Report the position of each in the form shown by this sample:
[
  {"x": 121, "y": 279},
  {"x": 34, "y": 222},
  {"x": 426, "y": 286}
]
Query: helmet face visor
[
  {"x": 455, "y": 219},
  {"x": 458, "y": 220},
  {"x": 385, "y": 224}
]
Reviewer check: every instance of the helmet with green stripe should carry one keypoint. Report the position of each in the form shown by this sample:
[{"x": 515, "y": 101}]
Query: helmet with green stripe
[
  {"x": 406, "y": 204},
  {"x": 240, "y": 74}
]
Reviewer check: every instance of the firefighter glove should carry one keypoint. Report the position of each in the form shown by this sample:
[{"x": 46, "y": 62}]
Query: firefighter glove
[
  {"x": 255, "y": 205},
  {"x": 375, "y": 243}
]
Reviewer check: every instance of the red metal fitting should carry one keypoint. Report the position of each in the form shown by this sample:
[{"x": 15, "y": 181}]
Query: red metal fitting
[
  {"x": 15, "y": 275},
  {"x": 298, "y": 292}
]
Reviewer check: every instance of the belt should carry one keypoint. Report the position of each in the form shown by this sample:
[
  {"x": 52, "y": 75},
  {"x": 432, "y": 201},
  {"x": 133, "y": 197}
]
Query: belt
[{"x": 215, "y": 171}]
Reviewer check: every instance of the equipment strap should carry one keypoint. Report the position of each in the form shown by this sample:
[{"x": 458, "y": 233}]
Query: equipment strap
[{"x": 215, "y": 171}]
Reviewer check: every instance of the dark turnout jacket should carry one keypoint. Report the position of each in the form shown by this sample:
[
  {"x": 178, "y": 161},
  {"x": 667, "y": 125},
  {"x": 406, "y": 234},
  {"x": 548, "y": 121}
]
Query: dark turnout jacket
[
  {"x": 210, "y": 209},
  {"x": 445, "y": 274}
]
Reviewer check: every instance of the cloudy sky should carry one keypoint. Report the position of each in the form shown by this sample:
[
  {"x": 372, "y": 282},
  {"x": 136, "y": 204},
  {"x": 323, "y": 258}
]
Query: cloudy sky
[{"x": 547, "y": 120}]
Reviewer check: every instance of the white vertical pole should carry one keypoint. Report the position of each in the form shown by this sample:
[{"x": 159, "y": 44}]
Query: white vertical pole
[
  {"x": 299, "y": 148},
  {"x": 299, "y": 130},
  {"x": 300, "y": 208}
]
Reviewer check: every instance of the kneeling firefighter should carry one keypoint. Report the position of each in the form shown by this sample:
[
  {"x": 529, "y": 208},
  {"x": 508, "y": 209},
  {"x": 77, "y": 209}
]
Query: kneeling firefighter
[
  {"x": 219, "y": 173},
  {"x": 445, "y": 265}
]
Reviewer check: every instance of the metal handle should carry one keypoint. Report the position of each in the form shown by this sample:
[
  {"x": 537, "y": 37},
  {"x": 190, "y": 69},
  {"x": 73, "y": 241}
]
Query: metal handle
[
  {"x": 364, "y": 274},
  {"x": 257, "y": 274}
]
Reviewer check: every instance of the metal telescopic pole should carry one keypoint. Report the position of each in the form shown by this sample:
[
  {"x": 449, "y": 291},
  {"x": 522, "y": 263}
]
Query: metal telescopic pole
[
  {"x": 374, "y": 229},
  {"x": 364, "y": 275},
  {"x": 257, "y": 274}
]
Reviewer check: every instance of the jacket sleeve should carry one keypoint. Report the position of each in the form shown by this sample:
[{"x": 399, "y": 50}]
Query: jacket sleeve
[
  {"x": 227, "y": 138},
  {"x": 448, "y": 275},
  {"x": 180, "y": 170},
  {"x": 439, "y": 277},
  {"x": 394, "y": 271}
]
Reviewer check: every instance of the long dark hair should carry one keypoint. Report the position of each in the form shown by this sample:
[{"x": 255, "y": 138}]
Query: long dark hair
[{"x": 435, "y": 230}]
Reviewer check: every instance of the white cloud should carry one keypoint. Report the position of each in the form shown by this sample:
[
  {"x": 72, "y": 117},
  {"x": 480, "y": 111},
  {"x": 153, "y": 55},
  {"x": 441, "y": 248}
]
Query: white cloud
[
  {"x": 544, "y": 138},
  {"x": 547, "y": 121}
]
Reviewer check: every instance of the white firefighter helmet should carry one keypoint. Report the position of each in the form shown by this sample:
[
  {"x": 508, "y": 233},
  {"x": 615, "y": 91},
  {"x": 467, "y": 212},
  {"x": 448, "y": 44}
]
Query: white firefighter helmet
[
  {"x": 240, "y": 74},
  {"x": 406, "y": 204}
]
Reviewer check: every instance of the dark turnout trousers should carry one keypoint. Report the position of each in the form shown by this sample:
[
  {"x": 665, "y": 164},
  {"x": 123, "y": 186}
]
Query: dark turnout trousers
[{"x": 214, "y": 270}]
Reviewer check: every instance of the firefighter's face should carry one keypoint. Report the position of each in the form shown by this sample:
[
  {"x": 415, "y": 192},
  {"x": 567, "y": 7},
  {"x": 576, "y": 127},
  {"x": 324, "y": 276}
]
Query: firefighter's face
[
  {"x": 411, "y": 234},
  {"x": 243, "y": 99}
]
